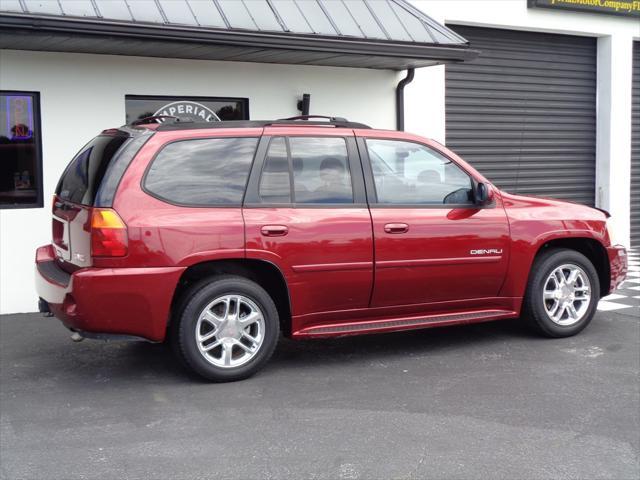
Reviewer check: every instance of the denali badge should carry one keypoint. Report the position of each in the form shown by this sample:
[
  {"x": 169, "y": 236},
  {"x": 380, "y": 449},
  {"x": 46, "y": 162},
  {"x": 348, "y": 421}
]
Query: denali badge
[{"x": 490, "y": 251}]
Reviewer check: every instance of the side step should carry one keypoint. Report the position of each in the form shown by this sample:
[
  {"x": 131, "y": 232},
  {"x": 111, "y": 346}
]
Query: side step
[{"x": 403, "y": 323}]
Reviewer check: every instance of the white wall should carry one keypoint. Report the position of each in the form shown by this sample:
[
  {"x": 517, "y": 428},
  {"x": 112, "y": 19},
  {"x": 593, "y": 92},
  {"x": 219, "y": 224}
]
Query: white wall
[
  {"x": 425, "y": 96},
  {"x": 83, "y": 94}
]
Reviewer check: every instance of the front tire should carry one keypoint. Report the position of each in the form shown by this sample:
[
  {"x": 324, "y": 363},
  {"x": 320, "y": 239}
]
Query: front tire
[
  {"x": 562, "y": 293},
  {"x": 227, "y": 328}
]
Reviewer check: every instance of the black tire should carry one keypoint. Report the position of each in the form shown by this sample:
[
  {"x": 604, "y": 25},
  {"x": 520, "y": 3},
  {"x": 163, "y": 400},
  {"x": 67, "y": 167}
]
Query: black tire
[
  {"x": 196, "y": 299},
  {"x": 533, "y": 309}
]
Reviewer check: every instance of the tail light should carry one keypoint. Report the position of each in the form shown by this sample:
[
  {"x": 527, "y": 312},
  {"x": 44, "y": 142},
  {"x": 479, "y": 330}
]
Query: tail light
[{"x": 108, "y": 234}]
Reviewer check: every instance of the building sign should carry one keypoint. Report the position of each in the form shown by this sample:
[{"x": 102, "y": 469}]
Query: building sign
[
  {"x": 198, "y": 109},
  {"x": 627, "y": 8}
]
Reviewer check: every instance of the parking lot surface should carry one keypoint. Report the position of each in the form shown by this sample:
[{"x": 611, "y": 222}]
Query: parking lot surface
[{"x": 480, "y": 401}]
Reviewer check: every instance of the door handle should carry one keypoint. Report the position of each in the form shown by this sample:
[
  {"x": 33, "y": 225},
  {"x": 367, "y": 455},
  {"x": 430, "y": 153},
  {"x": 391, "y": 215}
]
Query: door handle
[
  {"x": 396, "y": 228},
  {"x": 274, "y": 230}
]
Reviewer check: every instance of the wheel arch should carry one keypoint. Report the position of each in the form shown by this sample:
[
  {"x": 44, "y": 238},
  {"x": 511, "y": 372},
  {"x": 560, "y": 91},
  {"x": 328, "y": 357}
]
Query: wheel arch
[
  {"x": 590, "y": 247},
  {"x": 263, "y": 272}
]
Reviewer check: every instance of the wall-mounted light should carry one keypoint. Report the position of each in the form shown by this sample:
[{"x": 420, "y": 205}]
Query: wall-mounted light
[{"x": 303, "y": 105}]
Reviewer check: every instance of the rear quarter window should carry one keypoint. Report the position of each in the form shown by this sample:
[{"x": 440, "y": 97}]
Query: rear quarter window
[{"x": 202, "y": 172}]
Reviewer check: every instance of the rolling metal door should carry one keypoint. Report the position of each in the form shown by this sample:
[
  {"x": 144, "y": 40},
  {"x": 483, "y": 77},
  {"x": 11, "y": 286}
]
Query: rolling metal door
[
  {"x": 524, "y": 112},
  {"x": 635, "y": 149}
]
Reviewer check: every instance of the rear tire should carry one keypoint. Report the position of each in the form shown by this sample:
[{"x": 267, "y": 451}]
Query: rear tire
[
  {"x": 226, "y": 329},
  {"x": 556, "y": 303}
]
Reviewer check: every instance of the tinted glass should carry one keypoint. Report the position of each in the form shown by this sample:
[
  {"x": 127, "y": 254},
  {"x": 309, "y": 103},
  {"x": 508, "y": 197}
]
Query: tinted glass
[
  {"x": 117, "y": 167},
  {"x": 275, "y": 180},
  {"x": 202, "y": 172},
  {"x": 321, "y": 170},
  {"x": 409, "y": 173},
  {"x": 81, "y": 179},
  {"x": 20, "y": 162}
]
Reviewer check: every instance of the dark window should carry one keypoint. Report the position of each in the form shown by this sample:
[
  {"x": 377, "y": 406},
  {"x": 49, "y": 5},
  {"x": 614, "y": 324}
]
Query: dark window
[
  {"x": 321, "y": 170},
  {"x": 275, "y": 180},
  {"x": 410, "y": 173},
  {"x": 82, "y": 178},
  {"x": 198, "y": 109},
  {"x": 320, "y": 167},
  {"x": 204, "y": 172},
  {"x": 20, "y": 150}
]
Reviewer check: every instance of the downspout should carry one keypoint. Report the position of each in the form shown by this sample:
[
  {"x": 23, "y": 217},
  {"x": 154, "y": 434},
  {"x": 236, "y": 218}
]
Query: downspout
[{"x": 400, "y": 98}]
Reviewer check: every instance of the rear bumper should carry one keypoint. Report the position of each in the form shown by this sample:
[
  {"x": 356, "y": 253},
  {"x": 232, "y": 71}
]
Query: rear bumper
[
  {"x": 121, "y": 301},
  {"x": 618, "y": 265}
]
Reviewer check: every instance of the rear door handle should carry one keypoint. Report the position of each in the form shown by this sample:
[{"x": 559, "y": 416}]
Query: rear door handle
[
  {"x": 274, "y": 230},
  {"x": 396, "y": 228}
]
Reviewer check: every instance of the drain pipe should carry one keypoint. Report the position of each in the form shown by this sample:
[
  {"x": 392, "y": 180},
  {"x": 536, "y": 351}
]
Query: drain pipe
[{"x": 400, "y": 98}]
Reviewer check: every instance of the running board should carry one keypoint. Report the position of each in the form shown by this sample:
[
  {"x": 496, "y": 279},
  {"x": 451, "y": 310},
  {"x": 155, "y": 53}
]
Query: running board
[{"x": 405, "y": 323}]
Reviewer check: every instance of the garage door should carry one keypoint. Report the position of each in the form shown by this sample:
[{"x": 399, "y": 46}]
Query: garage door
[
  {"x": 524, "y": 112},
  {"x": 635, "y": 149}
]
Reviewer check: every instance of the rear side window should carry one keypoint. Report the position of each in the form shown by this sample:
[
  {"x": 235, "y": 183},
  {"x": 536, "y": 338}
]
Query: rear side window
[
  {"x": 82, "y": 178},
  {"x": 202, "y": 172},
  {"x": 316, "y": 167}
]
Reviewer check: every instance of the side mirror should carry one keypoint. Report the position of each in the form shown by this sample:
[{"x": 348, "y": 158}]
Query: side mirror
[{"x": 483, "y": 194}]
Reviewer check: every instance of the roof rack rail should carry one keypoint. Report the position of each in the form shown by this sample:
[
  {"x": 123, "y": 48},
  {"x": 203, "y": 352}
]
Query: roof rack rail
[
  {"x": 337, "y": 122},
  {"x": 310, "y": 120},
  {"x": 158, "y": 118}
]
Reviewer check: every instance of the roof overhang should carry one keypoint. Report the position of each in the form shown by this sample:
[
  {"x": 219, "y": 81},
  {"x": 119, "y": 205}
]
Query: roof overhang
[{"x": 84, "y": 35}]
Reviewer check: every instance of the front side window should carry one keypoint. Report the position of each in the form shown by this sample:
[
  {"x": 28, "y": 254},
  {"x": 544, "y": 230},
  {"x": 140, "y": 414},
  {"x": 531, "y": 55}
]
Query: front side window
[
  {"x": 202, "y": 172},
  {"x": 306, "y": 170},
  {"x": 410, "y": 173},
  {"x": 20, "y": 150}
]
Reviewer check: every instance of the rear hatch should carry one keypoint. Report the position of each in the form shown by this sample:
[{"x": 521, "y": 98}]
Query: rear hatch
[{"x": 90, "y": 180}]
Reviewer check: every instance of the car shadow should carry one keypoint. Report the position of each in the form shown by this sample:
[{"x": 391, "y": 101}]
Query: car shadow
[{"x": 157, "y": 361}]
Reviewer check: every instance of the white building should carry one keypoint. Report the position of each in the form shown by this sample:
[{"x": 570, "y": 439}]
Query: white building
[{"x": 546, "y": 108}]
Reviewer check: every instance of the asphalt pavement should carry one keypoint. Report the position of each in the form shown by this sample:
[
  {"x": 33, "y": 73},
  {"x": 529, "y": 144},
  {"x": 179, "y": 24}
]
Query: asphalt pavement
[{"x": 474, "y": 402}]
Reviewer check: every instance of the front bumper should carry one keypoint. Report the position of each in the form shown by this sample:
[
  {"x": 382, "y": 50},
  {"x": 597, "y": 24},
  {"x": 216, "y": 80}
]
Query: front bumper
[
  {"x": 119, "y": 301},
  {"x": 617, "y": 265}
]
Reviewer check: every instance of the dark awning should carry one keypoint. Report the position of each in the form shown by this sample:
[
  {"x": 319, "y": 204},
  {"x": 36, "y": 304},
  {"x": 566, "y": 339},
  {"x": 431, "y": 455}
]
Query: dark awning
[{"x": 382, "y": 34}]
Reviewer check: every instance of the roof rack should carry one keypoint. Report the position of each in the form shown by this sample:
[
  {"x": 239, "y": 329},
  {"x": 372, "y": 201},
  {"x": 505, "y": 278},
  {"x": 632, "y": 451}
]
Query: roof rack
[
  {"x": 177, "y": 123},
  {"x": 157, "y": 118}
]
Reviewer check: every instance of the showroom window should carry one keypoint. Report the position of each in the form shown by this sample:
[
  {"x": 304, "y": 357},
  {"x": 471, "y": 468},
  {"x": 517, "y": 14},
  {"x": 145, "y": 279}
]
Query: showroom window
[
  {"x": 20, "y": 150},
  {"x": 199, "y": 109}
]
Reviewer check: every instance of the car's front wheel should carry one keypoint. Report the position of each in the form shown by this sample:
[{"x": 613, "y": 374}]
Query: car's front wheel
[
  {"x": 562, "y": 294},
  {"x": 227, "y": 328}
]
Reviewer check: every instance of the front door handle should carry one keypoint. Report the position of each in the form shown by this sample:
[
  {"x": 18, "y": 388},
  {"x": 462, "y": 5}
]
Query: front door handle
[
  {"x": 396, "y": 228},
  {"x": 274, "y": 230}
]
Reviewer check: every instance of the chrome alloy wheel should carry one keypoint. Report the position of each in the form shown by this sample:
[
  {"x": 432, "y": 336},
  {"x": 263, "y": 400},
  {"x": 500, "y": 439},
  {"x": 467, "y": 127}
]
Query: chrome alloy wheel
[
  {"x": 230, "y": 331},
  {"x": 567, "y": 294}
]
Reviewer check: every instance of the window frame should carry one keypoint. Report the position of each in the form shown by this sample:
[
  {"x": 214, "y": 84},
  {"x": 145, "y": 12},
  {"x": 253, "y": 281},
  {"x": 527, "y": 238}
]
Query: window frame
[
  {"x": 372, "y": 194},
  {"x": 252, "y": 193},
  {"x": 38, "y": 175},
  {"x": 177, "y": 98},
  {"x": 143, "y": 179}
]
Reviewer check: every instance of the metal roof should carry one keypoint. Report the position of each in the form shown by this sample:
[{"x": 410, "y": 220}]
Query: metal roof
[{"x": 274, "y": 30}]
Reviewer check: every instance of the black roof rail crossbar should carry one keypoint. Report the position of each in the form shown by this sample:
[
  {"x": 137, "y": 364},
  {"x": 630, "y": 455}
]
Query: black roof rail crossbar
[
  {"x": 307, "y": 117},
  {"x": 157, "y": 118},
  {"x": 177, "y": 125}
]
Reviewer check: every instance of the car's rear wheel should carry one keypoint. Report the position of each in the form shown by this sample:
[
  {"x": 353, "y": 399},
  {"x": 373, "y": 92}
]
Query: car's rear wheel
[
  {"x": 227, "y": 328},
  {"x": 562, "y": 294}
]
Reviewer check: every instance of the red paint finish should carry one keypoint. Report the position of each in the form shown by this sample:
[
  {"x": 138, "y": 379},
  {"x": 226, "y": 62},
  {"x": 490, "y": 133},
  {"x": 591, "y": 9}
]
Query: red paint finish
[
  {"x": 425, "y": 263},
  {"x": 348, "y": 270},
  {"x": 326, "y": 257}
]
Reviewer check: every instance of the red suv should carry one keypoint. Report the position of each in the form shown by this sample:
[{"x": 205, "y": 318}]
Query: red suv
[{"x": 219, "y": 236}]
